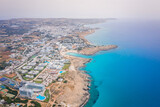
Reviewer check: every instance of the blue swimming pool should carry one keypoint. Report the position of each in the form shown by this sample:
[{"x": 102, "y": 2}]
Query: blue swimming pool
[
  {"x": 46, "y": 62},
  {"x": 2, "y": 86},
  {"x": 12, "y": 84},
  {"x": 39, "y": 97},
  {"x": 60, "y": 72}
]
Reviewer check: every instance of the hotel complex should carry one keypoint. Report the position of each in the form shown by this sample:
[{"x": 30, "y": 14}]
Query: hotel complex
[
  {"x": 36, "y": 65},
  {"x": 30, "y": 88},
  {"x": 25, "y": 92}
]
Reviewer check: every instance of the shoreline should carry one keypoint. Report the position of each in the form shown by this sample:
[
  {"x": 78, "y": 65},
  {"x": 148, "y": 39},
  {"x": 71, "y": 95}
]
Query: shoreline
[
  {"x": 79, "y": 95},
  {"x": 76, "y": 90},
  {"x": 92, "y": 51}
]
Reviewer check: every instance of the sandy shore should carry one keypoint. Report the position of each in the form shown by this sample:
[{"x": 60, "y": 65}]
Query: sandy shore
[
  {"x": 83, "y": 34},
  {"x": 75, "y": 93}
]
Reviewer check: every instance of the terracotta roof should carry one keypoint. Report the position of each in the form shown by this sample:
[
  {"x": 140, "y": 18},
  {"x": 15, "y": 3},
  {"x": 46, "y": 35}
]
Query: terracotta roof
[
  {"x": 5, "y": 90},
  {"x": 1, "y": 92}
]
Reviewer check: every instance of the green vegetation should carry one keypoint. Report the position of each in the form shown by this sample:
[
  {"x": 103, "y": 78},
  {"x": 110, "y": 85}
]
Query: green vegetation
[
  {"x": 15, "y": 77},
  {"x": 1, "y": 96},
  {"x": 53, "y": 81},
  {"x": 12, "y": 100},
  {"x": 3, "y": 65},
  {"x": 44, "y": 67},
  {"x": 64, "y": 73},
  {"x": 33, "y": 56},
  {"x": 12, "y": 91},
  {"x": 79, "y": 48},
  {"x": 25, "y": 105},
  {"x": 18, "y": 100},
  {"x": 66, "y": 66},
  {"x": 49, "y": 84},
  {"x": 8, "y": 100},
  {"x": 65, "y": 81},
  {"x": 36, "y": 104},
  {"x": 56, "y": 102},
  {"x": 38, "y": 81},
  {"x": 8, "y": 77},
  {"x": 59, "y": 78},
  {"x": 47, "y": 95}
]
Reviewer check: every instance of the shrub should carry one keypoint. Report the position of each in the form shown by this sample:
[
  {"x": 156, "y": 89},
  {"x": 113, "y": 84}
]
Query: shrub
[
  {"x": 65, "y": 81},
  {"x": 25, "y": 105},
  {"x": 46, "y": 93},
  {"x": 36, "y": 103},
  {"x": 18, "y": 100},
  {"x": 54, "y": 105}
]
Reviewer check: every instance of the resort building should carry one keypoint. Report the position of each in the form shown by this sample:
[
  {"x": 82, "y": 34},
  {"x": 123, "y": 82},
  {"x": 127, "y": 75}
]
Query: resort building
[
  {"x": 27, "y": 67},
  {"x": 23, "y": 71},
  {"x": 30, "y": 89},
  {"x": 32, "y": 64},
  {"x": 29, "y": 76},
  {"x": 35, "y": 87},
  {"x": 24, "y": 92},
  {"x": 38, "y": 68},
  {"x": 42, "y": 64},
  {"x": 33, "y": 72}
]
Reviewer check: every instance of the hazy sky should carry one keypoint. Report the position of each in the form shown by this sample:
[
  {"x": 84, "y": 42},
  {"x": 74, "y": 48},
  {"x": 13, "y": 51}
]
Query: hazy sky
[{"x": 80, "y": 8}]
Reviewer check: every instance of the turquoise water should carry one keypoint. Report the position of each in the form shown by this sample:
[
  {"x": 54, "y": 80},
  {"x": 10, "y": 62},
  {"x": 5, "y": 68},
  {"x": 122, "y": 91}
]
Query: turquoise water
[
  {"x": 46, "y": 62},
  {"x": 40, "y": 97},
  {"x": 60, "y": 72},
  {"x": 128, "y": 76},
  {"x": 78, "y": 55}
]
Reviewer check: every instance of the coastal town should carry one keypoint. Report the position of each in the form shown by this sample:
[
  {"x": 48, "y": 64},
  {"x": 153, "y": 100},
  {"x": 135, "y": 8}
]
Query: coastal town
[{"x": 35, "y": 67}]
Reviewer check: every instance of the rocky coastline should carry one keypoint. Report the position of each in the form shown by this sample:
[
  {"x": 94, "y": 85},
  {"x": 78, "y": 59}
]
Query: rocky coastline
[{"x": 76, "y": 92}]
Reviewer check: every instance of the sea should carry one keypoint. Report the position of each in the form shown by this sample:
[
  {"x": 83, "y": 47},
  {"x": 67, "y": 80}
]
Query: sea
[{"x": 128, "y": 76}]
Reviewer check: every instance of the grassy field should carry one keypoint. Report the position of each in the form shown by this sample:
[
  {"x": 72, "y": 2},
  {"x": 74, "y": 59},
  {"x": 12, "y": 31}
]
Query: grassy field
[
  {"x": 37, "y": 81},
  {"x": 66, "y": 66},
  {"x": 47, "y": 95}
]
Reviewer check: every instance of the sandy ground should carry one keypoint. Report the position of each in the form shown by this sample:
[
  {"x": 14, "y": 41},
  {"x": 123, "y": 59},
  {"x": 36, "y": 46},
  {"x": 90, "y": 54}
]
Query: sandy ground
[
  {"x": 93, "y": 50},
  {"x": 75, "y": 91}
]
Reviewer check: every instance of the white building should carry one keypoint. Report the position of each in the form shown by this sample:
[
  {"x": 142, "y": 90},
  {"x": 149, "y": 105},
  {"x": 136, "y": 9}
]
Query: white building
[{"x": 24, "y": 92}]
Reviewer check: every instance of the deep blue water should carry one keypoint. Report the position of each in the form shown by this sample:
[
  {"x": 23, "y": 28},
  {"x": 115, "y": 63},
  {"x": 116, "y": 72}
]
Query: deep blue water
[{"x": 128, "y": 76}]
